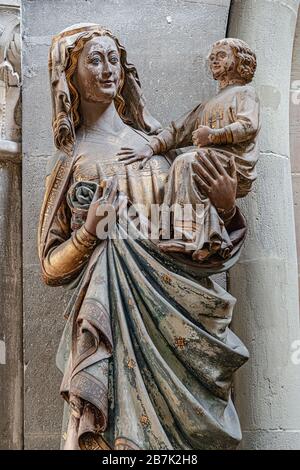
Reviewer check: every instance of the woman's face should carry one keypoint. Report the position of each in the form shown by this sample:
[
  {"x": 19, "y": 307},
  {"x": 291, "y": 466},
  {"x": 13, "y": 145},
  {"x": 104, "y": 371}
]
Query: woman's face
[{"x": 98, "y": 71}]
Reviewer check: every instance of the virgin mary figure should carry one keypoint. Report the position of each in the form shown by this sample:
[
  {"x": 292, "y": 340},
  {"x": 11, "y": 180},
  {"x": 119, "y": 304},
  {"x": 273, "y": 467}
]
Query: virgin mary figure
[{"x": 147, "y": 355}]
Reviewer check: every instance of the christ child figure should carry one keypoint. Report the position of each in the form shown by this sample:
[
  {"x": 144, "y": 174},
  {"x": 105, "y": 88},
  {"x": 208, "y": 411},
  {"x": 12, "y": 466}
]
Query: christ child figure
[{"x": 224, "y": 133}]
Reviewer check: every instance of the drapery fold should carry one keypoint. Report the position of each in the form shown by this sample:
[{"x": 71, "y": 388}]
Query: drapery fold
[{"x": 153, "y": 353}]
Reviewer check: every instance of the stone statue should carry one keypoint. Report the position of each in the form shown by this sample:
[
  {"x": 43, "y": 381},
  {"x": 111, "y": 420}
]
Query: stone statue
[
  {"x": 147, "y": 355},
  {"x": 229, "y": 124}
]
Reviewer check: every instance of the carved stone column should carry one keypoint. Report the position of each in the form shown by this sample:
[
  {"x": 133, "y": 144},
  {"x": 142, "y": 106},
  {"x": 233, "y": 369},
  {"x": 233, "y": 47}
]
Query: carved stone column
[
  {"x": 11, "y": 350},
  {"x": 265, "y": 279}
]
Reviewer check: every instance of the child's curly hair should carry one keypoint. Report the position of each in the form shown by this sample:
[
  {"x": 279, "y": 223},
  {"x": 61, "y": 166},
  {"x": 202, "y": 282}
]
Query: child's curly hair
[{"x": 246, "y": 57}]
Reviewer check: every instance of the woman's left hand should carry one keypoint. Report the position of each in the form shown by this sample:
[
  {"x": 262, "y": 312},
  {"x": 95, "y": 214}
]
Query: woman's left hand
[
  {"x": 128, "y": 155},
  {"x": 218, "y": 184}
]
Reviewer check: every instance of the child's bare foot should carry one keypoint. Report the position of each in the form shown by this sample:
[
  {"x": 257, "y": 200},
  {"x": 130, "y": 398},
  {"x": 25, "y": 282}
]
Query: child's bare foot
[
  {"x": 201, "y": 255},
  {"x": 173, "y": 246}
]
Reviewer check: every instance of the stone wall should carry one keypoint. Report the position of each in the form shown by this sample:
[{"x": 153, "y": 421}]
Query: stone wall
[
  {"x": 295, "y": 134},
  {"x": 265, "y": 280},
  {"x": 168, "y": 41},
  {"x": 11, "y": 351}
]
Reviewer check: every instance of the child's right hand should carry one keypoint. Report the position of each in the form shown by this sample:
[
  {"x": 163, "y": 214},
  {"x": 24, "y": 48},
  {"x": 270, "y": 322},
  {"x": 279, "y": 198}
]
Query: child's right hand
[
  {"x": 201, "y": 136},
  {"x": 129, "y": 155}
]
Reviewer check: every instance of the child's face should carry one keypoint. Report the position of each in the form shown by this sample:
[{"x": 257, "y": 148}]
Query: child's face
[{"x": 222, "y": 61}]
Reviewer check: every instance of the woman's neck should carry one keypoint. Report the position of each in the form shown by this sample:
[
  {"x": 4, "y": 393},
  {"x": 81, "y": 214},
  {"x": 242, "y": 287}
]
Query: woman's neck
[{"x": 101, "y": 117}]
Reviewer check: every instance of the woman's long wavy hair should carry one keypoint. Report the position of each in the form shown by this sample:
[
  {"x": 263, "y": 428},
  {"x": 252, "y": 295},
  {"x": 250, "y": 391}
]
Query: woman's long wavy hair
[{"x": 63, "y": 62}]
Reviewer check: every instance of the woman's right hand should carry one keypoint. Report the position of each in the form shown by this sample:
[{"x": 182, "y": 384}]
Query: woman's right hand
[
  {"x": 215, "y": 181},
  {"x": 105, "y": 202},
  {"x": 129, "y": 155}
]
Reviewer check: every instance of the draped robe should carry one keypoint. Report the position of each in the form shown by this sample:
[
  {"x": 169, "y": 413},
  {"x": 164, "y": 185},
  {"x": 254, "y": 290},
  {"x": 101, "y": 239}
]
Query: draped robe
[{"x": 147, "y": 354}]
